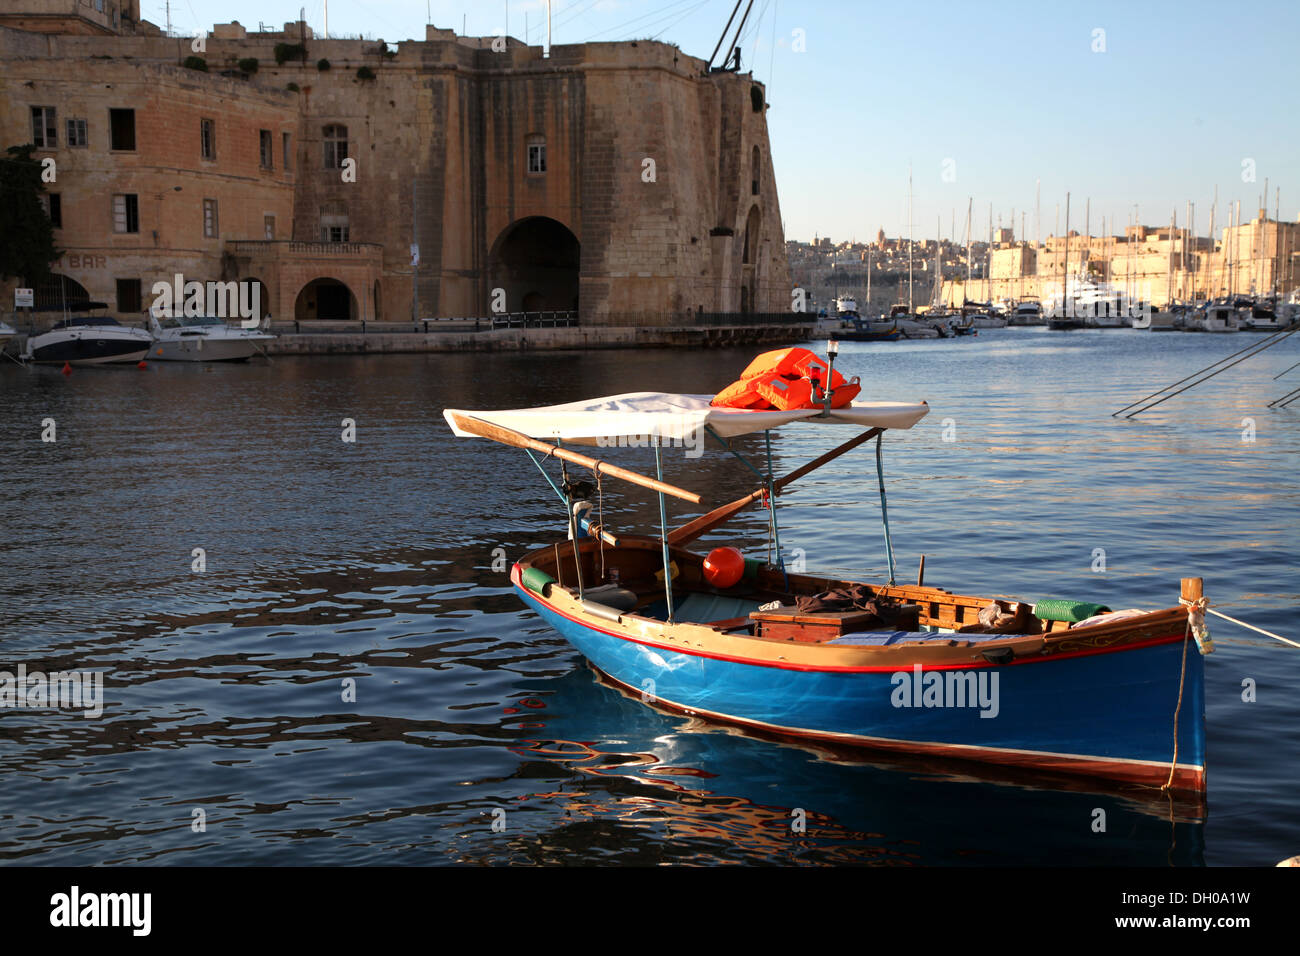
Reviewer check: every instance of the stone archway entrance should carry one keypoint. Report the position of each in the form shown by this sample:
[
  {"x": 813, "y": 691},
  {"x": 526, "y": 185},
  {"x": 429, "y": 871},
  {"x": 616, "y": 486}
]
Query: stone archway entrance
[
  {"x": 536, "y": 262},
  {"x": 58, "y": 292},
  {"x": 325, "y": 299}
]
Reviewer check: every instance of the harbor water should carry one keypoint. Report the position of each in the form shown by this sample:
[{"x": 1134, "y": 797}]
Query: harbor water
[{"x": 312, "y": 655}]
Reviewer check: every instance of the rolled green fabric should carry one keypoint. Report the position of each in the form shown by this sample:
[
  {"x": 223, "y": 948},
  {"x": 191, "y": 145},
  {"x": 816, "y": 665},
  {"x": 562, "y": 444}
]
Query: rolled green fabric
[
  {"x": 1071, "y": 611},
  {"x": 537, "y": 580}
]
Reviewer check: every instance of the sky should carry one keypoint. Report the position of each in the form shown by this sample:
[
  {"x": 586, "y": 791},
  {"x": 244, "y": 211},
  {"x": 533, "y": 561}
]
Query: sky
[{"x": 1133, "y": 109}]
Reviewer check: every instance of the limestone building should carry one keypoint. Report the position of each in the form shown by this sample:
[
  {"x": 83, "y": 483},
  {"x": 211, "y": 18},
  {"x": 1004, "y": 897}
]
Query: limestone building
[{"x": 617, "y": 180}]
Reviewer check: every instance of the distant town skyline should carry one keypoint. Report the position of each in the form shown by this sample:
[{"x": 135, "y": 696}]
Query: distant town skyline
[{"x": 1137, "y": 109}]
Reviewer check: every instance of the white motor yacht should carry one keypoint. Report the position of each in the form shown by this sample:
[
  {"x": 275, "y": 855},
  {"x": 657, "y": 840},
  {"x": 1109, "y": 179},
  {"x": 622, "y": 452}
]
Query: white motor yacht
[{"x": 203, "y": 338}]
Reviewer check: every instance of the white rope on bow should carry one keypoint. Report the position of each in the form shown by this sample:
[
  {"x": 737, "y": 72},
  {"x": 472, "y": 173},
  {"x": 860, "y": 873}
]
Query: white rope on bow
[
  {"x": 1252, "y": 627},
  {"x": 1196, "y": 621}
]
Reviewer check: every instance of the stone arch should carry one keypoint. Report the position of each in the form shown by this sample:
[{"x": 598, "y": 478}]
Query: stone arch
[
  {"x": 327, "y": 299},
  {"x": 536, "y": 261},
  {"x": 756, "y": 98},
  {"x": 753, "y": 234},
  {"x": 56, "y": 292}
]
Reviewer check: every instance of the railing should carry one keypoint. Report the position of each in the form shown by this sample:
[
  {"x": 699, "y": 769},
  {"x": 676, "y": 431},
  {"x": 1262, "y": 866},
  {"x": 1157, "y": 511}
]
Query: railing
[
  {"x": 533, "y": 320},
  {"x": 263, "y": 247},
  {"x": 712, "y": 319}
]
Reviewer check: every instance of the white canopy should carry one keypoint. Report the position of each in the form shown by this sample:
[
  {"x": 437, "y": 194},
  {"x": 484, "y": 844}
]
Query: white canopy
[{"x": 668, "y": 417}]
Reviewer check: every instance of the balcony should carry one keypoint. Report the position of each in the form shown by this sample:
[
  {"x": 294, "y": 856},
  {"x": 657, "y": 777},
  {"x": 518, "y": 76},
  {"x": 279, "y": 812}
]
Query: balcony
[{"x": 293, "y": 248}]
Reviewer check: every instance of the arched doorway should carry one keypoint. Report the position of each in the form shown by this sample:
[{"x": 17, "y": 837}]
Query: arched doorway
[
  {"x": 327, "y": 300},
  {"x": 749, "y": 261},
  {"x": 536, "y": 262},
  {"x": 56, "y": 292},
  {"x": 753, "y": 232}
]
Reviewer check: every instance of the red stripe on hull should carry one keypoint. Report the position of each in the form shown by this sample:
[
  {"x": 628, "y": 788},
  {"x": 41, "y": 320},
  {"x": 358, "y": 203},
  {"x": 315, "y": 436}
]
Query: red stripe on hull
[{"x": 1170, "y": 638}]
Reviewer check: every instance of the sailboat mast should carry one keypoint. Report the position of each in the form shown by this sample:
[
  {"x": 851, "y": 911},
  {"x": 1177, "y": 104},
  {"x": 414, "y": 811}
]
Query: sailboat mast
[
  {"x": 1065, "y": 263},
  {"x": 1169, "y": 284},
  {"x": 1209, "y": 255},
  {"x": 868, "y": 302},
  {"x": 909, "y": 239},
  {"x": 970, "y": 202}
]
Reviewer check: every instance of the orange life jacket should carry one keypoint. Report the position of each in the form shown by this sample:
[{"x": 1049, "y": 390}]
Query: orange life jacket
[{"x": 783, "y": 379}]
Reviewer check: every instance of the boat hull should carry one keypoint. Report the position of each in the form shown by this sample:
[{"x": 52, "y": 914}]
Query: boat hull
[
  {"x": 88, "y": 348},
  {"x": 1108, "y": 713},
  {"x": 204, "y": 349}
]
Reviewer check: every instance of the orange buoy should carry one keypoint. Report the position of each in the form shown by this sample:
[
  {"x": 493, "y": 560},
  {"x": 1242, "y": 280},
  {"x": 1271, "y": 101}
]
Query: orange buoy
[
  {"x": 724, "y": 567},
  {"x": 67, "y": 368}
]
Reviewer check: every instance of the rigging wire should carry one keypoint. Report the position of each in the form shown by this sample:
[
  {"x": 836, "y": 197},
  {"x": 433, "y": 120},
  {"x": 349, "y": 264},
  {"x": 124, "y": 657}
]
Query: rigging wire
[
  {"x": 681, "y": 18},
  {"x": 645, "y": 16}
]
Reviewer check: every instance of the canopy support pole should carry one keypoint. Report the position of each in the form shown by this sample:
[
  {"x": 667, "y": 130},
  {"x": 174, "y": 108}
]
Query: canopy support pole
[
  {"x": 508, "y": 436},
  {"x": 771, "y": 505},
  {"x": 707, "y": 522},
  {"x": 741, "y": 458},
  {"x": 663, "y": 535},
  {"x": 884, "y": 510},
  {"x": 554, "y": 488},
  {"x": 573, "y": 531}
]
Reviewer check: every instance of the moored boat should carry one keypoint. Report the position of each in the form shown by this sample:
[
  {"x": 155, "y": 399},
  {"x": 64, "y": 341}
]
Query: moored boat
[
  {"x": 1057, "y": 685},
  {"x": 203, "y": 338},
  {"x": 1151, "y": 319},
  {"x": 88, "y": 340},
  {"x": 1027, "y": 312}
]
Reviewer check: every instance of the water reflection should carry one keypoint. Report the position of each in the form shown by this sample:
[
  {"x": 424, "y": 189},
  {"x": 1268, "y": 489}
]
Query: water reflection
[{"x": 376, "y": 562}]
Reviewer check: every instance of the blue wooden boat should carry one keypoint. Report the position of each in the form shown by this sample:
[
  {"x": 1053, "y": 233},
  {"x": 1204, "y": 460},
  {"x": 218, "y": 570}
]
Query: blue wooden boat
[{"x": 1055, "y": 686}]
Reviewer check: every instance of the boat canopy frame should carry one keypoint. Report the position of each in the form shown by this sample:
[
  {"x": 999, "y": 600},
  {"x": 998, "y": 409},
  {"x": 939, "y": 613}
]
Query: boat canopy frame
[{"x": 662, "y": 416}]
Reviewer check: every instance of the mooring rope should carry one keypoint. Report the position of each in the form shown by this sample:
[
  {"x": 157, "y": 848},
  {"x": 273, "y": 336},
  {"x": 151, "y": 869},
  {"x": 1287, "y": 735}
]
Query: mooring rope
[
  {"x": 600, "y": 514},
  {"x": 1253, "y": 349},
  {"x": 1182, "y": 679},
  {"x": 1252, "y": 627}
]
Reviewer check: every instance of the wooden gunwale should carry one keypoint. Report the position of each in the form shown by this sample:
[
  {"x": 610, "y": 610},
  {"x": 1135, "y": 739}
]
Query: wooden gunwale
[{"x": 939, "y": 651}]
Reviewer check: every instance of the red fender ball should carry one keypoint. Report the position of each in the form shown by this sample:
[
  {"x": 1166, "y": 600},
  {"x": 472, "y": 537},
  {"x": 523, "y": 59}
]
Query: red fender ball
[{"x": 724, "y": 567}]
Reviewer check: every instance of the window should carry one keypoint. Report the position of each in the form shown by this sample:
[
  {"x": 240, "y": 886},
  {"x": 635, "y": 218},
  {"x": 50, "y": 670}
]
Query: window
[
  {"x": 121, "y": 124},
  {"x": 266, "y": 149},
  {"x": 208, "y": 138},
  {"x": 77, "y": 132},
  {"x": 210, "y": 219},
  {"x": 285, "y": 152},
  {"x": 45, "y": 133},
  {"x": 756, "y": 169},
  {"x": 336, "y": 145},
  {"x": 52, "y": 203},
  {"x": 536, "y": 154},
  {"x": 268, "y": 226},
  {"x": 126, "y": 213},
  {"x": 128, "y": 295},
  {"x": 99, "y": 6},
  {"x": 334, "y": 223}
]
